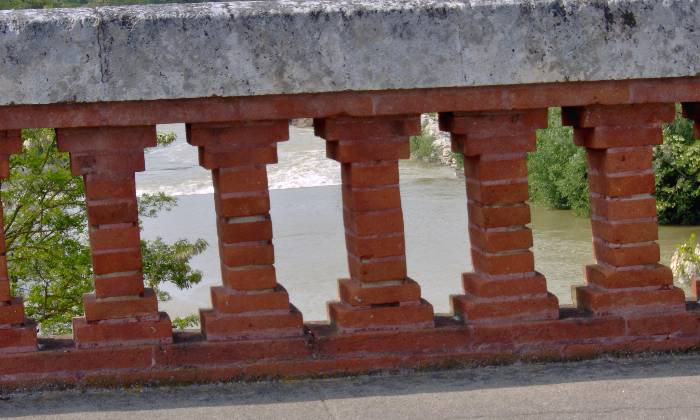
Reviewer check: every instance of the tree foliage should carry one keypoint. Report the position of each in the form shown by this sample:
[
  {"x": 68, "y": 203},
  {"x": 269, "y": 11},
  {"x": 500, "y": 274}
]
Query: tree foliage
[
  {"x": 47, "y": 243},
  {"x": 189, "y": 321},
  {"x": 557, "y": 171},
  {"x": 685, "y": 262},
  {"x": 677, "y": 169}
]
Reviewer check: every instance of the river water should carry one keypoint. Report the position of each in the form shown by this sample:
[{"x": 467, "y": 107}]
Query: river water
[{"x": 308, "y": 229}]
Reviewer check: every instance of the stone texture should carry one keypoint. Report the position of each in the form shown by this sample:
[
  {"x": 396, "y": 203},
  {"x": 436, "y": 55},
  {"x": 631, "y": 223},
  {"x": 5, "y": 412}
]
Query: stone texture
[{"x": 285, "y": 47}]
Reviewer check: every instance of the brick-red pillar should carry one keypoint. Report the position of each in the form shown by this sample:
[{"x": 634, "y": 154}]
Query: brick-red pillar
[
  {"x": 378, "y": 294},
  {"x": 250, "y": 304},
  {"x": 504, "y": 286},
  {"x": 692, "y": 111},
  {"x": 17, "y": 333},
  {"x": 120, "y": 311},
  {"x": 627, "y": 278}
]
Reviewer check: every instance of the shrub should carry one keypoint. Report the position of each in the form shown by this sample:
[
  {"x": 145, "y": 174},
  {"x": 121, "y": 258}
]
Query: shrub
[
  {"x": 185, "y": 322},
  {"x": 557, "y": 170},
  {"x": 422, "y": 147},
  {"x": 677, "y": 168},
  {"x": 685, "y": 262}
]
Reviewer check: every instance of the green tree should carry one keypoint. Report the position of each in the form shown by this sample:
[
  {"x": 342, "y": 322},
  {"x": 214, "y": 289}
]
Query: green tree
[
  {"x": 677, "y": 169},
  {"x": 48, "y": 252},
  {"x": 557, "y": 170}
]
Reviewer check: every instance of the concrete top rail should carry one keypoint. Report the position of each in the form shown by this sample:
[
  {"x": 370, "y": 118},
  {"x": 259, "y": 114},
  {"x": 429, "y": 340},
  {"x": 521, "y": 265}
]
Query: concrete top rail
[{"x": 252, "y": 48}]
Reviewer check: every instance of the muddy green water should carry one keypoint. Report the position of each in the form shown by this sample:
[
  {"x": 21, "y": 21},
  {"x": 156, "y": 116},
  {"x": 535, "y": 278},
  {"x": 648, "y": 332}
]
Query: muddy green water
[{"x": 308, "y": 235}]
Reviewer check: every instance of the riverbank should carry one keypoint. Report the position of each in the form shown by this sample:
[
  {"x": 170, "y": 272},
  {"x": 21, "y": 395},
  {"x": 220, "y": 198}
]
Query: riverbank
[{"x": 433, "y": 145}]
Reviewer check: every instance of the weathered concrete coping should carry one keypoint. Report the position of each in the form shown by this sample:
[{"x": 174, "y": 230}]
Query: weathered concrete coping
[{"x": 287, "y": 47}]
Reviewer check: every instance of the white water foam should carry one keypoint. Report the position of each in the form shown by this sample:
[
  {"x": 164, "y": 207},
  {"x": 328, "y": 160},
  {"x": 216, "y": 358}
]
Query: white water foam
[
  {"x": 302, "y": 164},
  {"x": 174, "y": 169}
]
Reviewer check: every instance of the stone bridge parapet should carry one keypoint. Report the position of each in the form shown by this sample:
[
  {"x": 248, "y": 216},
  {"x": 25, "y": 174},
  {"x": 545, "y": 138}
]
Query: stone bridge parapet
[{"x": 236, "y": 73}]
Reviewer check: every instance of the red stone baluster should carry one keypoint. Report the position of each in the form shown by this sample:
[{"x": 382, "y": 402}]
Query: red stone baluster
[
  {"x": 17, "y": 333},
  {"x": 120, "y": 311},
  {"x": 250, "y": 304},
  {"x": 504, "y": 286},
  {"x": 378, "y": 294},
  {"x": 627, "y": 278}
]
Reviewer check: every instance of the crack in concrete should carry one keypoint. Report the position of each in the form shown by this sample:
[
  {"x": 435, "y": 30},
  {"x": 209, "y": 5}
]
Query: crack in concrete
[{"x": 322, "y": 398}]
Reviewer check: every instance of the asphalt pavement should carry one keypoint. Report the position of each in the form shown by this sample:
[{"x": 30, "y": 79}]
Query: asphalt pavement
[{"x": 645, "y": 387}]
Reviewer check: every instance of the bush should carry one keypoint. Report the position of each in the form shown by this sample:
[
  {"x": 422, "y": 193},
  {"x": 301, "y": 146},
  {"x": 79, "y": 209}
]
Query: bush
[
  {"x": 183, "y": 323},
  {"x": 557, "y": 170},
  {"x": 677, "y": 168},
  {"x": 422, "y": 147},
  {"x": 685, "y": 262}
]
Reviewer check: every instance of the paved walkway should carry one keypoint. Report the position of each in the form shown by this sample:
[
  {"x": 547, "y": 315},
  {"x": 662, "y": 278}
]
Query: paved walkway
[{"x": 640, "y": 388}]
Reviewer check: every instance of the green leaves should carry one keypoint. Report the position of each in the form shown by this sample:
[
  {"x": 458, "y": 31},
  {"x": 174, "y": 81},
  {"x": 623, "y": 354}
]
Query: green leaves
[
  {"x": 557, "y": 170},
  {"x": 422, "y": 147},
  {"x": 189, "y": 321},
  {"x": 169, "y": 263},
  {"x": 46, "y": 233},
  {"x": 165, "y": 139},
  {"x": 685, "y": 262},
  {"x": 677, "y": 169},
  {"x": 152, "y": 204},
  {"x": 47, "y": 243}
]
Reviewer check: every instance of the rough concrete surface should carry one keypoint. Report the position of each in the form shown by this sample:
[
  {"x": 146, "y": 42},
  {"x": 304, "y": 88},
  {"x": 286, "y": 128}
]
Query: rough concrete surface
[
  {"x": 275, "y": 47},
  {"x": 650, "y": 387}
]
